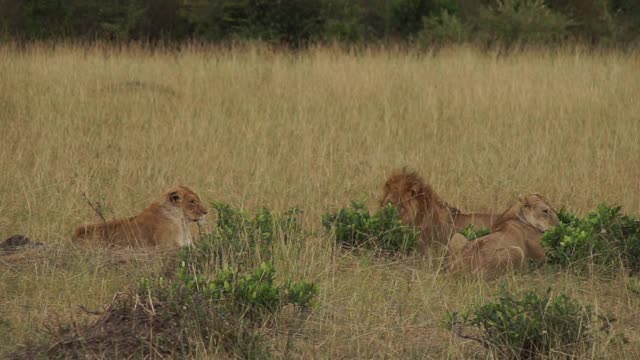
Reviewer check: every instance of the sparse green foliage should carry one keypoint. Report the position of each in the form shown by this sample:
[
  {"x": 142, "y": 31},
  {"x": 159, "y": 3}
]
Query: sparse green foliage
[
  {"x": 511, "y": 22},
  {"x": 226, "y": 309},
  {"x": 443, "y": 29},
  {"x": 178, "y": 316},
  {"x": 244, "y": 240},
  {"x": 301, "y": 294},
  {"x": 405, "y": 16},
  {"x": 471, "y": 234},
  {"x": 254, "y": 294},
  {"x": 529, "y": 326},
  {"x": 292, "y": 23},
  {"x": 355, "y": 227},
  {"x": 344, "y": 22},
  {"x": 605, "y": 238}
]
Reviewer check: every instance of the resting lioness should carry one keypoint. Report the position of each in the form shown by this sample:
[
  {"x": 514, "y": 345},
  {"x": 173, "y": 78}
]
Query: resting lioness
[
  {"x": 164, "y": 223},
  {"x": 515, "y": 238}
]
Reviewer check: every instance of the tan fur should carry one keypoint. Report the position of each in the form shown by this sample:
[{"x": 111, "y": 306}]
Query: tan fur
[
  {"x": 515, "y": 239},
  {"x": 420, "y": 206},
  {"x": 478, "y": 220},
  {"x": 164, "y": 223}
]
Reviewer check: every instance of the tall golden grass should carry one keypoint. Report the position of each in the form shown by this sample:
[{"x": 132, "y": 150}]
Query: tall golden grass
[{"x": 255, "y": 127}]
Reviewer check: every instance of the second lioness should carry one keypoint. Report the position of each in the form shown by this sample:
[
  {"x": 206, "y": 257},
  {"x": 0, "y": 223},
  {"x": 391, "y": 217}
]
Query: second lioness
[
  {"x": 515, "y": 238},
  {"x": 164, "y": 223}
]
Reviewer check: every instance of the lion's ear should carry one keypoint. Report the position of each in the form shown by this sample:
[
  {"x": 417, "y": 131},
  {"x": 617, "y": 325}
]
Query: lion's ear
[
  {"x": 523, "y": 200},
  {"x": 174, "y": 197}
]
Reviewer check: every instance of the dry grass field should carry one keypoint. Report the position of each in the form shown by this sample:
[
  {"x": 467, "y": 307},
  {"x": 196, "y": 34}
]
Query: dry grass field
[{"x": 315, "y": 129}]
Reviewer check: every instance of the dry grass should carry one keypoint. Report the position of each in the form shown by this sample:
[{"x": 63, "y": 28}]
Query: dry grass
[{"x": 253, "y": 127}]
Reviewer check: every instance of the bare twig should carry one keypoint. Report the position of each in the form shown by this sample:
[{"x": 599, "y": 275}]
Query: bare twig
[
  {"x": 95, "y": 206},
  {"x": 91, "y": 312},
  {"x": 457, "y": 330}
]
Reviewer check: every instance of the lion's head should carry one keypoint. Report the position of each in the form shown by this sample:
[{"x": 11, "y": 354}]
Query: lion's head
[
  {"x": 538, "y": 212},
  {"x": 406, "y": 191},
  {"x": 532, "y": 209},
  {"x": 188, "y": 201},
  {"x": 418, "y": 205}
]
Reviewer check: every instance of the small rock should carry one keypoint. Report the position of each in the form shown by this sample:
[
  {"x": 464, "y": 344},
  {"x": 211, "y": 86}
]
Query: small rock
[{"x": 17, "y": 242}]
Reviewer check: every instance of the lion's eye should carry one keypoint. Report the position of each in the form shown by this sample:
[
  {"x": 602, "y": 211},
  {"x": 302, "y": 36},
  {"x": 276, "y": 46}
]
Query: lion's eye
[{"x": 546, "y": 211}]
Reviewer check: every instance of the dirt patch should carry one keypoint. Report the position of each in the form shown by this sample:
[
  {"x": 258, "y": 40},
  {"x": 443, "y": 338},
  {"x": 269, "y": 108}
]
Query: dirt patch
[{"x": 129, "y": 326}]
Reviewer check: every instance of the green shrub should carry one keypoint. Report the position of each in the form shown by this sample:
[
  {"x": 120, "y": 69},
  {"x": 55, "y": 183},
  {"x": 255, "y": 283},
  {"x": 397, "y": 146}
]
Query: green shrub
[
  {"x": 355, "y": 227},
  {"x": 244, "y": 240},
  {"x": 183, "y": 316},
  {"x": 471, "y": 234},
  {"x": 511, "y": 22},
  {"x": 226, "y": 310},
  {"x": 344, "y": 22},
  {"x": 605, "y": 238},
  {"x": 405, "y": 16},
  {"x": 441, "y": 29},
  {"x": 291, "y": 23},
  {"x": 530, "y": 326},
  {"x": 247, "y": 294}
]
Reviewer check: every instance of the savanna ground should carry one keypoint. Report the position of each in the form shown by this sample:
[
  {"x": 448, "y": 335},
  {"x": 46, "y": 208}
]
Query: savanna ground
[{"x": 316, "y": 129}]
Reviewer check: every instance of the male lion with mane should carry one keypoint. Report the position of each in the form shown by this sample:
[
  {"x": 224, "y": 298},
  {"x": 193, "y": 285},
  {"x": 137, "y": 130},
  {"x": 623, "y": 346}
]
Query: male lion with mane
[
  {"x": 515, "y": 238},
  {"x": 164, "y": 223},
  {"x": 420, "y": 206}
]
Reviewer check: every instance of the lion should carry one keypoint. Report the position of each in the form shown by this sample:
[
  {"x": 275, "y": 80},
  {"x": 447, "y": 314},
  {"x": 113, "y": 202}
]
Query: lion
[
  {"x": 514, "y": 240},
  {"x": 164, "y": 223},
  {"x": 420, "y": 206}
]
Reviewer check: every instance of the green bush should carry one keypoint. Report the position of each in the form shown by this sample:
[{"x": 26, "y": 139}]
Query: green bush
[
  {"x": 226, "y": 310},
  {"x": 291, "y": 23},
  {"x": 344, "y": 22},
  {"x": 244, "y": 240},
  {"x": 252, "y": 294},
  {"x": 355, "y": 227},
  {"x": 224, "y": 304},
  {"x": 181, "y": 317},
  {"x": 441, "y": 29},
  {"x": 530, "y": 326},
  {"x": 605, "y": 238},
  {"x": 405, "y": 16},
  {"x": 511, "y": 22},
  {"x": 471, "y": 234}
]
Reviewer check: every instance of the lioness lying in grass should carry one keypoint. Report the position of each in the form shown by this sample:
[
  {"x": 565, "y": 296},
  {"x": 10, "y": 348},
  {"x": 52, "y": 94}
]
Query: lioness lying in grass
[
  {"x": 515, "y": 238},
  {"x": 164, "y": 223}
]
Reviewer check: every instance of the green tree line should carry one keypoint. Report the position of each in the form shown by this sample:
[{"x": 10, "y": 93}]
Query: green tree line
[{"x": 298, "y": 23}]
